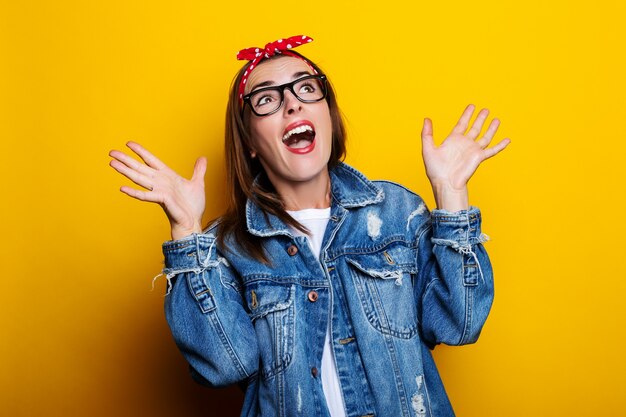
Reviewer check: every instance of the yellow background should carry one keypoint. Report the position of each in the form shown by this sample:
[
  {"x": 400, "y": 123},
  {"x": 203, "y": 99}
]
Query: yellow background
[{"x": 83, "y": 335}]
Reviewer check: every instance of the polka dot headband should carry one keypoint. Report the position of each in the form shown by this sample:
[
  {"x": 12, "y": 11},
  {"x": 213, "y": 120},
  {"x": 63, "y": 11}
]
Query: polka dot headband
[{"x": 256, "y": 55}]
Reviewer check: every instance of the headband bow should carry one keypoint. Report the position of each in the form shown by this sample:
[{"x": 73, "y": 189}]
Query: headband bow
[{"x": 278, "y": 47}]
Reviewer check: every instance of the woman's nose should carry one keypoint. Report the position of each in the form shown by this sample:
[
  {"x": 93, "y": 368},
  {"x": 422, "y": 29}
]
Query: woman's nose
[{"x": 292, "y": 104}]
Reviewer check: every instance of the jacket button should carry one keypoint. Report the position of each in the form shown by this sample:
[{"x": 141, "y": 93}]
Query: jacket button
[
  {"x": 312, "y": 296},
  {"x": 314, "y": 372},
  {"x": 292, "y": 250}
]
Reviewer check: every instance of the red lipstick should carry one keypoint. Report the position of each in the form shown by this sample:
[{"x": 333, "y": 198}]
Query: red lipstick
[{"x": 297, "y": 134}]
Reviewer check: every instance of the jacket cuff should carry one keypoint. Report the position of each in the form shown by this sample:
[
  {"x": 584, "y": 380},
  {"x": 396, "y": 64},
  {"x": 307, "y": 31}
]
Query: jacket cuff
[
  {"x": 192, "y": 253},
  {"x": 457, "y": 229}
]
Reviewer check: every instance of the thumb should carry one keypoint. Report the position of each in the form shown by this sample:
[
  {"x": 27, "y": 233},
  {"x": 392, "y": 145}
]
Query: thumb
[
  {"x": 427, "y": 133},
  {"x": 199, "y": 169}
]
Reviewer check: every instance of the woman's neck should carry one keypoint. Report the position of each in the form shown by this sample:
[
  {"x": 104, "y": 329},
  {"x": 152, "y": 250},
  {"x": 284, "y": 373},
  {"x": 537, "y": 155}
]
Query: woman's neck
[{"x": 314, "y": 193}]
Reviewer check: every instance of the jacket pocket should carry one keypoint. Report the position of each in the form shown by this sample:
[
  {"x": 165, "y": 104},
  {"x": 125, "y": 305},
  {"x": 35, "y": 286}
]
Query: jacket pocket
[
  {"x": 384, "y": 283},
  {"x": 272, "y": 311}
]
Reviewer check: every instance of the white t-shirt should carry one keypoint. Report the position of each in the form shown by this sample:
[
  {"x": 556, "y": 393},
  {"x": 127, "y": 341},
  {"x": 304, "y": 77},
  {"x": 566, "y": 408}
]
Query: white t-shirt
[{"x": 316, "y": 220}]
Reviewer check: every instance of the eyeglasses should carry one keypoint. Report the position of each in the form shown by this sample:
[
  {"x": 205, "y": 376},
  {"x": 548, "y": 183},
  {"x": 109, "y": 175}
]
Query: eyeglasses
[{"x": 269, "y": 100}]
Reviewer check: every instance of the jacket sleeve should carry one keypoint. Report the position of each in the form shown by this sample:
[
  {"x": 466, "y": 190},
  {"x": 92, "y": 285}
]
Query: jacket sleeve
[
  {"x": 205, "y": 312},
  {"x": 455, "y": 281}
]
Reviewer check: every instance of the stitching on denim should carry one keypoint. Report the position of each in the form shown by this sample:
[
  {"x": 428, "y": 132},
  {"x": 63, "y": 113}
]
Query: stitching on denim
[
  {"x": 464, "y": 248},
  {"x": 428, "y": 287},
  {"x": 217, "y": 325},
  {"x": 205, "y": 263},
  {"x": 333, "y": 255},
  {"x": 285, "y": 279},
  {"x": 171, "y": 273},
  {"x": 430, "y": 407},
  {"x": 396, "y": 274},
  {"x": 373, "y": 308},
  {"x": 469, "y": 317},
  {"x": 380, "y": 194},
  {"x": 400, "y": 387}
]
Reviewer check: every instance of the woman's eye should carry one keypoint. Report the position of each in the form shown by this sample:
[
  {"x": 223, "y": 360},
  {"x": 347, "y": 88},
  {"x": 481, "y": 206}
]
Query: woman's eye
[
  {"x": 307, "y": 88},
  {"x": 264, "y": 100}
]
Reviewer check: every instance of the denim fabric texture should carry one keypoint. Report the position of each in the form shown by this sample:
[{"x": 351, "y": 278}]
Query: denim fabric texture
[{"x": 393, "y": 278}]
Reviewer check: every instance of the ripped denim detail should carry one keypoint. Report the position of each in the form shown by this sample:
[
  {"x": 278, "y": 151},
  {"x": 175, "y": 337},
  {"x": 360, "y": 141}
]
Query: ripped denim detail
[
  {"x": 417, "y": 400},
  {"x": 387, "y": 274},
  {"x": 465, "y": 248},
  {"x": 419, "y": 211},
  {"x": 205, "y": 263}
]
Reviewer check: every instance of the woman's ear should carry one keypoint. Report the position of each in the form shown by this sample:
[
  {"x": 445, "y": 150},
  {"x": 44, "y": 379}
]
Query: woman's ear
[{"x": 252, "y": 153}]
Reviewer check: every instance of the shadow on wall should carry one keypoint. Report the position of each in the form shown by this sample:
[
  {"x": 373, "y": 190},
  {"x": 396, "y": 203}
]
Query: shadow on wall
[
  {"x": 157, "y": 381},
  {"x": 190, "y": 399}
]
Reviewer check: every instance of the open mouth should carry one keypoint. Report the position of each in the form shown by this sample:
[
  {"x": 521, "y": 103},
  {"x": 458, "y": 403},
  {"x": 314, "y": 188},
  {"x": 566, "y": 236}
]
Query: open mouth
[{"x": 299, "y": 136}]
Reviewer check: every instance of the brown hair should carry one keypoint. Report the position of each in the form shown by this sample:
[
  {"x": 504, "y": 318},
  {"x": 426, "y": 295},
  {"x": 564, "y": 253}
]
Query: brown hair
[{"x": 242, "y": 170}]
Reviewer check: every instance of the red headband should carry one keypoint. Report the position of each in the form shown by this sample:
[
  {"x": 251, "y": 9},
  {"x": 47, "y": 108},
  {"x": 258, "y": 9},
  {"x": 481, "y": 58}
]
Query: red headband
[{"x": 278, "y": 47}]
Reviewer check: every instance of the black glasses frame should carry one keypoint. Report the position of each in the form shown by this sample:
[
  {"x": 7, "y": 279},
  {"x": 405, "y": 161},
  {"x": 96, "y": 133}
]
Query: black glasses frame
[{"x": 281, "y": 91}]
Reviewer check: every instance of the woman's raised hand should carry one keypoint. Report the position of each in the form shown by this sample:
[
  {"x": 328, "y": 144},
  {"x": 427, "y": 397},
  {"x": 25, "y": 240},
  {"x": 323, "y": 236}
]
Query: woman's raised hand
[
  {"x": 182, "y": 200},
  {"x": 450, "y": 165}
]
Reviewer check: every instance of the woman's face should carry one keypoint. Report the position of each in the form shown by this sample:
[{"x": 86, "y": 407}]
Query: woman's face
[{"x": 293, "y": 144}]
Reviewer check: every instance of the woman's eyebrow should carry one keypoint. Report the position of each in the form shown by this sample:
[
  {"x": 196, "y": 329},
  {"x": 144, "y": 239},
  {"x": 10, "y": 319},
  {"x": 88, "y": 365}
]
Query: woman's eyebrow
[
  {"x": 300, "y": 74},
  {"x": 269, "y": 82}
]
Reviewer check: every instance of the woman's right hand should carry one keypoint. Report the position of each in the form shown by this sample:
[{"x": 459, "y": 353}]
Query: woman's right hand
[{"x": 182, "y": 200}]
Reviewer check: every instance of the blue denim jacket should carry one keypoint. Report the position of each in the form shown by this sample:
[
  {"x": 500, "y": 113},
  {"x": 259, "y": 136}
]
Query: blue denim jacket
[{"x": 393, "y": 279}]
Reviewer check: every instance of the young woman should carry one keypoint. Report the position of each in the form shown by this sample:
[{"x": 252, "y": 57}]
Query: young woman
[{"x": 321, "y": 290}]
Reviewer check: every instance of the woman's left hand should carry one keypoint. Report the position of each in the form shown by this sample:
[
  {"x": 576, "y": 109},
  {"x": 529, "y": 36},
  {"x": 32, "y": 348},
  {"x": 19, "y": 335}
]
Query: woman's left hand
[{"x": 450, "y": 165}]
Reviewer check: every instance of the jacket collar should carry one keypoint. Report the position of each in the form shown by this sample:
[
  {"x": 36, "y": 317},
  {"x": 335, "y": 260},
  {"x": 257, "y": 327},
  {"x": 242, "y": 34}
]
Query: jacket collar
[{"x": 349, "y": 189}]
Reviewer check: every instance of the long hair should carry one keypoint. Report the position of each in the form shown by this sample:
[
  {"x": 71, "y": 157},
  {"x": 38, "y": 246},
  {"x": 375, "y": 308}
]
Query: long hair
[{"x": 242, "y": 170}]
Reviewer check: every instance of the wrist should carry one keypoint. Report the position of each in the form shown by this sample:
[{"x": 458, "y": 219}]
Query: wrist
[
  {"x": 179, "y": 232},
  {"x": 450, "y": 198}
]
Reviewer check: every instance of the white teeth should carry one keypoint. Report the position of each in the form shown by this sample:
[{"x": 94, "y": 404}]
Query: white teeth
[{"x": 299, "y": 129}]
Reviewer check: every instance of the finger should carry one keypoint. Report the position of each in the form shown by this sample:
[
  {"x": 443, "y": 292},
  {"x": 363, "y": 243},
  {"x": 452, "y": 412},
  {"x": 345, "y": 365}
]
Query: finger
[
  {"x": 140, "y": 195},
  {"x": 131, "y": 174},
  {"x": 497, "y": 148},
  {"x": 478, "y": 124},
  {"x": 146, "y": 156},
  {"x": 491, "y": 131},
  {"x": 463, "y": 122},
  {"x": 427, "y": 134},
  {"x": 199, "y": 169},
  {"x": 131, "y": 162}
]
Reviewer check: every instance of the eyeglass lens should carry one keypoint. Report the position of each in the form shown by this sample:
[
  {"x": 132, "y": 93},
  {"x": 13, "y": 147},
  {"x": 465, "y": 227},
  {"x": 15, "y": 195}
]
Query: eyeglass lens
[{"x": 269, "y": 100}]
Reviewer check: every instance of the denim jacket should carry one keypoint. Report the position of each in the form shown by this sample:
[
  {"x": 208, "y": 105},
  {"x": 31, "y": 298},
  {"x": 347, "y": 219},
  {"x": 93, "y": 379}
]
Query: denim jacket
[{"x": 393, "y": 279}]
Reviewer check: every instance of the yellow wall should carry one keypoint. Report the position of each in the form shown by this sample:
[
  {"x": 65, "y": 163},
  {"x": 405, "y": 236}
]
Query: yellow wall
[{"x": 81, "y": 333}]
